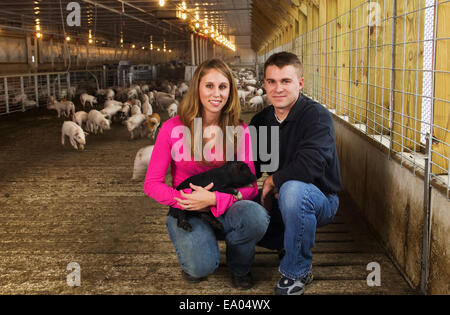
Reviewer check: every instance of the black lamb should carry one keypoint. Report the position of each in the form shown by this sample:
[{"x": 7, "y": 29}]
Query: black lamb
[{"x": 226, "y": 179}]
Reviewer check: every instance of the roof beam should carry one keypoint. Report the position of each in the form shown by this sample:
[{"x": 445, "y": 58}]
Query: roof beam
[
  {"x": 269, "y": 13},
  {"x": 132, "y": 17},
  {"x": 272, "y": 6},
  {"x": 292, "y": 11},
  {"x": 147, "y": 13},
  {"x": 267, "y": 20}
]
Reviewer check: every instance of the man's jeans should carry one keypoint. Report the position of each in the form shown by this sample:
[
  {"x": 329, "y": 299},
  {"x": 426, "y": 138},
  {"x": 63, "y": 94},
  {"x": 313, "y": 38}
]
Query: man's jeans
[
  {"x": 300, "y": 209},
  {"x": 244, "y": 224}
]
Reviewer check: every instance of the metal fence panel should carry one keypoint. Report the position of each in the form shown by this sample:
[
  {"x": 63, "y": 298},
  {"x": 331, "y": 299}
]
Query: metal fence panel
[{"x": 386, "y": 74}]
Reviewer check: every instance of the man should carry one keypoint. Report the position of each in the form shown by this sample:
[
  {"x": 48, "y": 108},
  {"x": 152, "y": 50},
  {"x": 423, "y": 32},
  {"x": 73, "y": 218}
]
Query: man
[{"x": 301, "y": 194}]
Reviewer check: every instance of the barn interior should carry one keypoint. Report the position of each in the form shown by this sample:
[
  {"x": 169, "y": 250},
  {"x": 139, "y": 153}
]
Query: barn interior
[{"x": 380, "y": 67}]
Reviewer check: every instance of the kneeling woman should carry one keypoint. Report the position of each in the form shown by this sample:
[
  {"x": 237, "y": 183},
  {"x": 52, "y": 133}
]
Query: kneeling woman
[{"x": 213, "y": 97}]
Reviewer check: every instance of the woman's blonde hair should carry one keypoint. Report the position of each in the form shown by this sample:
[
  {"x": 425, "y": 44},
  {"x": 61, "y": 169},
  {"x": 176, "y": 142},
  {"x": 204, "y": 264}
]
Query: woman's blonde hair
[{"x": 191, "y": 107}]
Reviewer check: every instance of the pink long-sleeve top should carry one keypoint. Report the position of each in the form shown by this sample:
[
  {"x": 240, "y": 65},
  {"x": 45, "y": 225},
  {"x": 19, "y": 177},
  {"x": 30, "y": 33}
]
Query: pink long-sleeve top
[{"x": 169, "y": 151}]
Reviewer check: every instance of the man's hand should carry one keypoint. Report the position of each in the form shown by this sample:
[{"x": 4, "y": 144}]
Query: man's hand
[
  {"x": 199, "y": 200},
  {"x": 268, "y": 192}
]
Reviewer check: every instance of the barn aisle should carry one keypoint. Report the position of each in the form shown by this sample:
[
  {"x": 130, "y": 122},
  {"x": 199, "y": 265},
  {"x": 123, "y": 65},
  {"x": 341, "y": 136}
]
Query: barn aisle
[{"x": 60, "y": 206}]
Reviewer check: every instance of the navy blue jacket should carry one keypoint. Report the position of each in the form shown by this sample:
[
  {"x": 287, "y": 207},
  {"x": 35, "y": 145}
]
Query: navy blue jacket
[{"x": 307, "y": 145}]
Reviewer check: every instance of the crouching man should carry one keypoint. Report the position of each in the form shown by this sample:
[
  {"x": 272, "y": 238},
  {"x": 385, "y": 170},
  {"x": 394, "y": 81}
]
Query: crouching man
[{"x": 301, "y": 194}]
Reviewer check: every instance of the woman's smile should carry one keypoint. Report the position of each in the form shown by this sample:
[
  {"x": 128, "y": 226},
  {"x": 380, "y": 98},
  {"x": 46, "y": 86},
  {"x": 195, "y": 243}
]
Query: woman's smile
[{"x": 216, "y": 102}]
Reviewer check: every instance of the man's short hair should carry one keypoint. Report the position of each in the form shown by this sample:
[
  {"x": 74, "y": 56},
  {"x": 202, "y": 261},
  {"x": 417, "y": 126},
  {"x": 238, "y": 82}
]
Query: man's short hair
[{"x": 282, "y": 59}]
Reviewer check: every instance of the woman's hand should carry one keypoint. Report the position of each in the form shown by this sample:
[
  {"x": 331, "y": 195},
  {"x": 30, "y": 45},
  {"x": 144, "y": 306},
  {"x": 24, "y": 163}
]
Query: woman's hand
[{"x": 199, "y": 200}]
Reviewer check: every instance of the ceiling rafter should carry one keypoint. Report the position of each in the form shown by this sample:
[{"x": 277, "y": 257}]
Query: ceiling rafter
[
  {"x": 271, "y": 16},
  {"x": 271, "y": 6},
  {"x": 95, "y": 3},
  {"x": 136, "y": 20},
  {"x": 290, "y": 8}
]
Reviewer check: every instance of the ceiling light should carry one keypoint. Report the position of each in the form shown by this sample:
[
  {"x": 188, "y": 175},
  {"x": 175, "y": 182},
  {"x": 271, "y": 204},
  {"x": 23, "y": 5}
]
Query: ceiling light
[{"x": 161, "y": 3}]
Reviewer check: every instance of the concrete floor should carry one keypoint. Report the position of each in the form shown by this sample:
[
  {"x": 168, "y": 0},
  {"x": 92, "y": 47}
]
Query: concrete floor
[{"x": 58, "y": 205}]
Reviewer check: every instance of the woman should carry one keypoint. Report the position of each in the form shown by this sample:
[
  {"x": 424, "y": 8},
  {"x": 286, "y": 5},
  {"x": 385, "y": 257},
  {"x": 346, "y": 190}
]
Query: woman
[{"x": 213, "y": 98}]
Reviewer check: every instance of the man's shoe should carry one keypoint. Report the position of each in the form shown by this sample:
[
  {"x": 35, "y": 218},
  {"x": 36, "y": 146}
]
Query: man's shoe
[
  {"x": 288, "y": 286},
  {"x": 244, "y": 282},
  {"x": 192, "y": 279}
]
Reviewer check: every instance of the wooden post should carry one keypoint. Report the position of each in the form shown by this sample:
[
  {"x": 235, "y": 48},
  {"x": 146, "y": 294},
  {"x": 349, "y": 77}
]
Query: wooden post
[
  {"x": 405, "y": 106},
  {"x": 323, "y": 52},
  {"x": 5, "y": 85},
  {"x": 331, "y": 54},
  {"x": 382, "y": 36},
  {"x": 36, "y": 91},
  {"x": 441, "y": 117},
  {"x": 343, "y": 60},
  {"x": 64, "y": 53},
  {"x": 29, "y": 52},
  {"x": 358, "y": 72}
]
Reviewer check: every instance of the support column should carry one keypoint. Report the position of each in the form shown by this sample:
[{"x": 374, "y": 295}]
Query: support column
[
  {"x": 52, "y": 56},
  {"x": 201, "y": 49},
  {"x": 192, "y": 50},
  {"x": 197, "y": 51}
]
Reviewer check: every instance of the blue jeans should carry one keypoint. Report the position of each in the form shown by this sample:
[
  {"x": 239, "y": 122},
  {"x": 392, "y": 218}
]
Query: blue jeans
[
  {"x": 244, "y": 224},
  {"x": 299, "y": 210}
]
